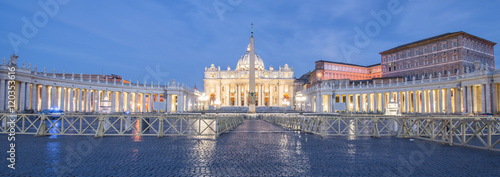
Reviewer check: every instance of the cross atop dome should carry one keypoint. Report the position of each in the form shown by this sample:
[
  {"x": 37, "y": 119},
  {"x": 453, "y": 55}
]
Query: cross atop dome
[{"x": 252, "y": 28}]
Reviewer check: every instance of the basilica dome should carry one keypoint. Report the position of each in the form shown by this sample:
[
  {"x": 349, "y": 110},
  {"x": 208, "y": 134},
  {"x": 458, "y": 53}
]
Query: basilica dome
[{"x": 244, "y": 62}]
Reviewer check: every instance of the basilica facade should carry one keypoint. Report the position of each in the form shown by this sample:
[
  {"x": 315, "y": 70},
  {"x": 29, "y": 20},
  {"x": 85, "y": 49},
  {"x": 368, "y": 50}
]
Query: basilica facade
[{"x": 230, "y": 88}]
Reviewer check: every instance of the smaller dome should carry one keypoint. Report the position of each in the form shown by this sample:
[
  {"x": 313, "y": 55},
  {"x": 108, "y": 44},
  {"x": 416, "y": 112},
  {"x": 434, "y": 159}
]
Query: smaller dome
[{"x": 244, "y": 62}]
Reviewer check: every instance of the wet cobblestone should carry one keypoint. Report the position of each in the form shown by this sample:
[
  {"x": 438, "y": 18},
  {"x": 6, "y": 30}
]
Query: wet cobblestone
[{"x": 255, "y": 148}]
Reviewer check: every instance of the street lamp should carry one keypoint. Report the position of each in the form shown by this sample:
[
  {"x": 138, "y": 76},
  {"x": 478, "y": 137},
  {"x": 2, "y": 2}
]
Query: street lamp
[
  {"x": 217, "y": 102},
  {"x": 202, "y": 99},
  {"x": 300, "y": 99},
  {"x": 285, "y": 102}
]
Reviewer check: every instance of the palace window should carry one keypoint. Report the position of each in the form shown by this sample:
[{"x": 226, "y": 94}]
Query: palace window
[
  {"x": 425, "y": 50},
  {"x": 400, "y": 56},
  {"x": 408, "y": 65},
  {"x": 444, "y": 58},
  {"x": 434, "y": 60},
  {"x": 445, "y": 72},
  {"x": 454, "y": 43},
  {"x": 434, "y": 48},
  {"x": 416, "y": 52},
  {"x": 425, "y": 62},
  {"x": 443, "y": 46},
  {"x": 416, "y": 63},
  {"x": 408, "y": 54}
]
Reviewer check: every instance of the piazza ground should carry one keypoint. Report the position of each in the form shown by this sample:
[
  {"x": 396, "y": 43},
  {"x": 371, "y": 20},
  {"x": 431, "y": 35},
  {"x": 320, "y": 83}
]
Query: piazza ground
[{"x": 254, "y": 148}]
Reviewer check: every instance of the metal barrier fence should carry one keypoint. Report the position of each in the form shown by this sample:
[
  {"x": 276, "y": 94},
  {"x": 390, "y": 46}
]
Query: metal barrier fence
[
  {"x": 477, "y": 132},
  {"x": 129, "y": 124}
]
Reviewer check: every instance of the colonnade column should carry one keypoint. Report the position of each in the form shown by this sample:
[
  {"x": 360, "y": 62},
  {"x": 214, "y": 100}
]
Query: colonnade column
[
  {"x": 488, "y": 98},
  {"x": 382, "y": 104},
  {"x": 143, "y": 102},
  {"x": 494, "y": 103},
  {"x": 464, "y": 99},
  {"x": 469, "y": 100},
  {"x": 375, "y": 102},
  {"x": 449, "y": 102},
  {"x": 414, "y": 101},
  {"x": 120, "y": 100},
  {"x": 44, "y": 97},
  {"x": 3, "y": 96},
  {"x": 150, "y": 102},
  {"x": 62, "y": 98},
  {"x": 26, "y": 96},
  {"x": 113, "y": 101},
  {"x": 136, "y": 101},
  {"x": 332, "y": 103},
  {"x": 440, "y": 100},
  {"x": 432, "y": 101},
  {"x": 80, "y": 96},
  {"x": 88, "y": 99}
]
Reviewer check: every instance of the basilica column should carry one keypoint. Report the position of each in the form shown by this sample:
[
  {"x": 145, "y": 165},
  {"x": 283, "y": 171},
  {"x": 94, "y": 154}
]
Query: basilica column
[
  {"x": 261, "y": 95},
  {"x": 245, "y": 96},
  {"x": 271, "y": 98},
  {"x": 228, "y": 96}
]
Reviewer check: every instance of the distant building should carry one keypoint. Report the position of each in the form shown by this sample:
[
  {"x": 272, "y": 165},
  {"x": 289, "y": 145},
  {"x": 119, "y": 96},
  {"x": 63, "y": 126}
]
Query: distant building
[
  {"x": 439, "y": 55},
  {"x": 326, "y": 70}
]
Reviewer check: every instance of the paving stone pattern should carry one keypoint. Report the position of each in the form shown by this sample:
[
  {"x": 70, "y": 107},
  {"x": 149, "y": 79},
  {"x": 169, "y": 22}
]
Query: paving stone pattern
[{"x": 254, "y": 148}]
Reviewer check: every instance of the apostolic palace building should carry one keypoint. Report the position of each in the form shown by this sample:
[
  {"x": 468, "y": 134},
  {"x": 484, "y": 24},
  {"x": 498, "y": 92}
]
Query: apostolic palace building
[{"x": 452, "y": 73}]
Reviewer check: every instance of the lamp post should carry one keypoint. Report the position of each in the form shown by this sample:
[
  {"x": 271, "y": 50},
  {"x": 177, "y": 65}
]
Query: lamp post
[
  {"x": 285, "y": 102},
  {"x": 300, "y": 99},
  {"x": 202, "y": 99},
  {"x": 217, "y": 102}
]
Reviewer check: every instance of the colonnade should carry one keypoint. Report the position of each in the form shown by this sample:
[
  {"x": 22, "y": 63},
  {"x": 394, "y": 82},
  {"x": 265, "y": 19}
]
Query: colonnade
[
  {"x": 469, "y": 93},
  {"x": 31, "y": 90}
]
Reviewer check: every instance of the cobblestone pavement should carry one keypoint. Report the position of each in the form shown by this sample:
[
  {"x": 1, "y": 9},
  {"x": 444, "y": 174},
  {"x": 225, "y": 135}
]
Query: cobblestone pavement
[{"x": 255, "y": 148}]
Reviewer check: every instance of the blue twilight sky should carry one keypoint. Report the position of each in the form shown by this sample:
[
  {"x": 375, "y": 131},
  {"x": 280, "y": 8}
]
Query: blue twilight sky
[{"x": 161, "y": 41}]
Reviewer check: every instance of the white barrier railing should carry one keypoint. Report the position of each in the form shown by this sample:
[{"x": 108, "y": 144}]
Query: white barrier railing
[
  {"x": 128, "y": 124},
  {"x": 477, "y": 132}
]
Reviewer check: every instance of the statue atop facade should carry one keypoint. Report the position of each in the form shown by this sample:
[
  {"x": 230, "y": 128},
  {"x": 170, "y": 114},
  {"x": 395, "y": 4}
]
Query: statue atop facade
[{"x": 13, "y": 60}]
